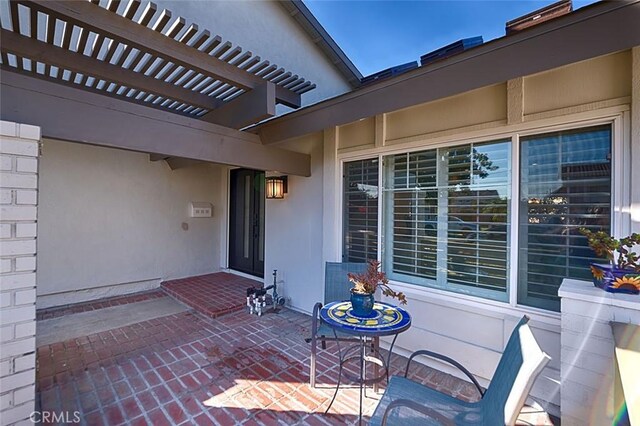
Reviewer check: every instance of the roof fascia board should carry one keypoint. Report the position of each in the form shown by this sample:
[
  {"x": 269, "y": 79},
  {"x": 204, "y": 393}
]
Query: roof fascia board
[
  {"x": 593, "y": 31},
  {"x": 76, "y": 115}
]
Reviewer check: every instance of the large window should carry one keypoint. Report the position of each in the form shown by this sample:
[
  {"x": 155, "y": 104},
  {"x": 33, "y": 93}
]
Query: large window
[
  {"x": 446, "y": 217},
  {"x": 565, "y": 184},
  {"x": 360, "y": 217},
  {"x": 447, "y": 214}
]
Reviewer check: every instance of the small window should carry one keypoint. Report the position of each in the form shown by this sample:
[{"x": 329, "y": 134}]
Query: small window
[
  {"x": 565, "y": 184},
  {"x": 360, "y": 216}
]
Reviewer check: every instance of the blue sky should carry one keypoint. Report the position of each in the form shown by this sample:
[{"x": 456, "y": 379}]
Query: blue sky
[{"x": 377, "y": 35}]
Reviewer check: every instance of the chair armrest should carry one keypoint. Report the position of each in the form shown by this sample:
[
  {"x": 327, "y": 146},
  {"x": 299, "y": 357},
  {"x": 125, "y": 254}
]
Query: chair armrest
[
  {"x": 316, "y": 317},
  {"x": 316, "y": 310},
  {"x": 314, "y": 322},
  {"x": 448, "y": 360},
  {"x": 429, "y": 412}
]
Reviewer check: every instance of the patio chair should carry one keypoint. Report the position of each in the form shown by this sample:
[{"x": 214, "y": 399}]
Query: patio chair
[
  {"x": 336, "y": 288},
  {"x": 409, "y": 403}
]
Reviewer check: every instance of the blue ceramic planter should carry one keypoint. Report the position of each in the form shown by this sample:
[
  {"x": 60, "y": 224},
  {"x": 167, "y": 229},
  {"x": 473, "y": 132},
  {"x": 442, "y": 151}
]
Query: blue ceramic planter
[
  {"x": 362, "y": 305},
  {"x": 614, "y": 280}
]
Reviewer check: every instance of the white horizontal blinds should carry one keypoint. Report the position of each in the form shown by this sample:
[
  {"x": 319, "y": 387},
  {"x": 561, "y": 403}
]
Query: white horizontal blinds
[
  {"x": 446, "y": 217},
  {"x": 414, "y": 213},
  {"x": 360, "y": 216},
  {"x": 477, "y": 215},
  {"x": 565, "y": 184}
]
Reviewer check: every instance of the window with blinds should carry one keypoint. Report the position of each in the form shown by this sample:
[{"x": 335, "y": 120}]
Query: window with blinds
[
  {"x": 565, "y": 184},
  {"x": 360, "y": 215},
  {"x": 446, "y": 217}
]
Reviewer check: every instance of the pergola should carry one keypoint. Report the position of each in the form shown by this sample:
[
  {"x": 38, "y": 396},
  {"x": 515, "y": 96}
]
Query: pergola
[{"x": 128, "y": 76}]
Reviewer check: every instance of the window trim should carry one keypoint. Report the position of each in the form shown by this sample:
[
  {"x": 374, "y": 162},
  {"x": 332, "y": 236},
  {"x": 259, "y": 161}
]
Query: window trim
[
  {"x": 617, "y": 117},
  {"x": 514, "y": 236}
]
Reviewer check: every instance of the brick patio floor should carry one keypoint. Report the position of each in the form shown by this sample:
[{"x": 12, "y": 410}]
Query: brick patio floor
[
  {"x": 213, "y": 294},
  {"x": 191, "y": 369}
]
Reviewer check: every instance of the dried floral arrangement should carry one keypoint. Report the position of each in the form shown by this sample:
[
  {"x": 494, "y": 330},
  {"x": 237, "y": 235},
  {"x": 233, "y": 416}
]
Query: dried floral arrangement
[{"x": 369, "y": 281}]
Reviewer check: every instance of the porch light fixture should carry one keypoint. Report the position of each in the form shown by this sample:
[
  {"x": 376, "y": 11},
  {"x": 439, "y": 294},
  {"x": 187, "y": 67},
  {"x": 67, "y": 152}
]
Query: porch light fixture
[{"x": 276, "y": 187}]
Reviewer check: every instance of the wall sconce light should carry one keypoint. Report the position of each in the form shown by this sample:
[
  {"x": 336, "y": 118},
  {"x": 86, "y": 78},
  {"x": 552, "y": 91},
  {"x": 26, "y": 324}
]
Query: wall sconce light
[{"x": 276, "y": 187}]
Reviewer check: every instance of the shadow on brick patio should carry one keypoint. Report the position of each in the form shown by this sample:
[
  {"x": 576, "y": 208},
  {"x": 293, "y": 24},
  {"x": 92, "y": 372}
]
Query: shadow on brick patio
[{"x": 188, "y": 368}]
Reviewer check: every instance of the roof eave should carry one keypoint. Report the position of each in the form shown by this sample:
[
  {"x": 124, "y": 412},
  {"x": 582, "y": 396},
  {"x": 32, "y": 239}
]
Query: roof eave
[{"x": 608, "y": 27}]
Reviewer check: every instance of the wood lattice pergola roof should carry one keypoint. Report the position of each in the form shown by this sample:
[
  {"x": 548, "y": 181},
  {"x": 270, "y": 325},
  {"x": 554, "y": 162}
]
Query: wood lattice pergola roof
[{"x": 135, "y": 52}]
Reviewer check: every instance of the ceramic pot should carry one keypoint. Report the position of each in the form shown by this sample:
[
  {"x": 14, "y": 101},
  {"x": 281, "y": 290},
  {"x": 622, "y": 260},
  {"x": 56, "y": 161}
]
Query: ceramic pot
[
  {"x": 615, "y": 280},
  {"x": 361, "y": 304}
]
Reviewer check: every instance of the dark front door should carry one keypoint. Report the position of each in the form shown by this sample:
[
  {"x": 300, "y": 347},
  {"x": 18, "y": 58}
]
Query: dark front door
[{"x": 246, "y": 222}]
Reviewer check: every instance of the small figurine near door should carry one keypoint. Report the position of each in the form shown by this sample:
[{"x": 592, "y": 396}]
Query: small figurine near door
[{"x": 258, "y": 299}]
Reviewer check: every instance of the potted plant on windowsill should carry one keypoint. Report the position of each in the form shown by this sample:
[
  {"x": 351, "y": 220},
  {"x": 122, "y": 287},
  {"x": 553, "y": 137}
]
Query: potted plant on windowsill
[
  {"x": 364, "y": 289},
  {"x": 622, "y": 273}
]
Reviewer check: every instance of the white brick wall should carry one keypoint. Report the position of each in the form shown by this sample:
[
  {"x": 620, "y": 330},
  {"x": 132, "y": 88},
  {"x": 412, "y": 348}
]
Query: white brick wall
[
  {"x": 18, "y": 212},
  {"x": 587, "y": 353}
]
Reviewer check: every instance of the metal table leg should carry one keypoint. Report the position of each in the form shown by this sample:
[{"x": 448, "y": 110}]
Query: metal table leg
[
  {"x": 362, "y": 375},
  {"x": 393, "y": 342},
  {"x": 360, "y": 352},
  {"x": 345, "y": 356},
  {"x": 339, "y": 373}
]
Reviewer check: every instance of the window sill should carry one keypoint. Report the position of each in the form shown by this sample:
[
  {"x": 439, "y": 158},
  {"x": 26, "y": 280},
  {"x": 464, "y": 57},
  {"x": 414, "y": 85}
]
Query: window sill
[{"x": 491, "y": 307}]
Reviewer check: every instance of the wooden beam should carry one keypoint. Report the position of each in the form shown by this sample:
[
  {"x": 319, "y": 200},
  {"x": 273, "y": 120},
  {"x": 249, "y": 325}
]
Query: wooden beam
[
  {"x": 176, "y": 163},
  {"x": 76, "y": 115},
  {"x": 609, "y": 27},
  {"x": 248, "y": 108},
  {"x": 66, "y": 59},
  {"x": 380, "y": 133},
  {"x": 515, "y": 100},
  {"x": 91, "y": 89},
  {"x": 157, "y": 157},
  {"x": 112, "y": 25}
]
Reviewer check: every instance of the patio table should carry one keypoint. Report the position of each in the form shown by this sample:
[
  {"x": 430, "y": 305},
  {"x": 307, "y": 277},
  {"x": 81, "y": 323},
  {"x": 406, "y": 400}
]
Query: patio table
[{"x": 385, "y": 320}]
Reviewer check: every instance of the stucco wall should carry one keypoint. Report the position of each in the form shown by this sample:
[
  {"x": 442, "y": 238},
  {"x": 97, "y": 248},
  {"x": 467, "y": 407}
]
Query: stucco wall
[
  {"x": 584, "y": 86},
  {"x": 266, "y": 29},
  {"x": 111, "y": 222},
  {"x": 485, "y": 105},
  {"x": 606, "y": 77},
  {"x": 359, "y": 134},
  {"x": 293, "y": 231}
]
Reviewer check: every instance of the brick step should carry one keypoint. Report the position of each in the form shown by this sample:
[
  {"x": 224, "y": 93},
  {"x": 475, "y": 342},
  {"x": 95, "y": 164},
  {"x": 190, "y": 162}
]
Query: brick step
[
  {"x": 92, "y": 305},
  {"x": 212, "y": 295}
]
